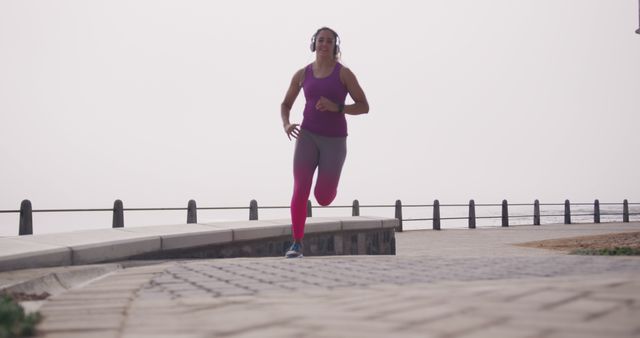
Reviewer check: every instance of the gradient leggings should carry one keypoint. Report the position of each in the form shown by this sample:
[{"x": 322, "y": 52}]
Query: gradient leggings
[{"x": 315, "y": 151}]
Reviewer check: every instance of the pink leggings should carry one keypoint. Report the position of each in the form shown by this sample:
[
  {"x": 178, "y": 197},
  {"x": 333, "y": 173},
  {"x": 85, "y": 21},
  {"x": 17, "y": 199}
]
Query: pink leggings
[{"x": 315, "y": 151}]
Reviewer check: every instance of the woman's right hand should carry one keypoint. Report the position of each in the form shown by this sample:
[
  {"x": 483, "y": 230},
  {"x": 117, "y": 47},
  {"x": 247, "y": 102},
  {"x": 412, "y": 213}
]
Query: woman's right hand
[{"x": 292, "y": 130}]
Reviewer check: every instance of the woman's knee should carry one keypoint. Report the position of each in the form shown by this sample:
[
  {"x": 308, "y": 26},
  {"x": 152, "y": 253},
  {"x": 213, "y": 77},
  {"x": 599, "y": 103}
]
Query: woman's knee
[{"x": 325, "y": 198}]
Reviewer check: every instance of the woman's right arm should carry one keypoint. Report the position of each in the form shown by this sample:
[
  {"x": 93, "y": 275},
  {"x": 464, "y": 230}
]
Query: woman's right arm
[{"x": 285, "y": 108}]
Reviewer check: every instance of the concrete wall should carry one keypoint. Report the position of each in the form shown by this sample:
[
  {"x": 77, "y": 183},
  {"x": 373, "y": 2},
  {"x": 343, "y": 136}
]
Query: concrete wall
[{"x": 358, "y": 235}]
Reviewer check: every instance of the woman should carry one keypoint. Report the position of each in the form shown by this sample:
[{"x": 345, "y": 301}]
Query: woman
[{"x": 321, "y": 139}]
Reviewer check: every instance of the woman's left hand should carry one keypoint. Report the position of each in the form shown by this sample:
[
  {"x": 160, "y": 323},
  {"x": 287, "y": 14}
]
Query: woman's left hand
[{"x": 325, "y": 104}]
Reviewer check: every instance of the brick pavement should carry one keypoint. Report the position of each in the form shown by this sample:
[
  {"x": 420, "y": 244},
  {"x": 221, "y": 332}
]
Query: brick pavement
[{"x": 457, "y": 283}]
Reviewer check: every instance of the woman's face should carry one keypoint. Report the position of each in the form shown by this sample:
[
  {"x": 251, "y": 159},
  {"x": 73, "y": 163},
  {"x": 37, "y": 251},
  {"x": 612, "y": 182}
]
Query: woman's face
[{"x": 325, "y": 43}]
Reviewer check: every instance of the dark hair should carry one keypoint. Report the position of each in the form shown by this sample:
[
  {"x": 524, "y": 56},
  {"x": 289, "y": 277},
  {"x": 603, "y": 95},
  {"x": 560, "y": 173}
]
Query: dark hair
[{"x": 336, "y": 40}]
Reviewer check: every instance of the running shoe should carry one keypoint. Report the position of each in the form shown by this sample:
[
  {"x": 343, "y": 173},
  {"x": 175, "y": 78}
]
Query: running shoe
[{"x": 295, "y": 251}]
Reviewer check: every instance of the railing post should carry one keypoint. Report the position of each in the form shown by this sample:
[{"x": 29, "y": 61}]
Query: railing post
[
  {"x": 355, "y": 208},
  {"x": 567, "y": 212},
  {"x": 26, "y": 218},
  {"x": 536, "y": 212},
  {"x": 118, "y": 214},
  {"x": 309, "y": 209},
  {"x": 436, "y": 215},
  {"x": 625, "y": 211},
  {"x": 192, "y": 212},
  {"x": 399, "y": 215},
  {"x": 505, "y": 213},
  {"x": 596, "y": 211},
  {"x": 638, "y": 30},
  {"x": 253, "y": 210},
  {"x": 472, "y": 214}
]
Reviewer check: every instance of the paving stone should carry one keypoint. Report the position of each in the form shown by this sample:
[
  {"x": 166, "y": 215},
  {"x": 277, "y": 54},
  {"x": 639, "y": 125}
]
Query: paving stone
[
  {"x": 164, "y": 335},
  {"x": 451, "y": 284},
  {"x": 525, "y": 313},
  {"x": 541, "y": 298},
  {"x": 503, "y": 331},
  {"x": 164, "y": 324},
  {"x": 124, "y": 289},
  {"x": 625, "y": 316},
  {"x": 347, "y": 325},
  {"x": 591, "y": 328},
  {"x": 589, "y": 308},
  {"x": 61, "y": 302},
  {"x": 458, "y": 325},
  {"x": 77, "y": 295},
  {"x": 281, "y": 332},
  {"x": 99, "y": 322},
  {"x": 419, "y": 315},
  {"x": 330, "y": 332},
  {"x": 588, "y": 334},
  {"x": 94, "y": 309},
  {"x": 91, "y": 333}
]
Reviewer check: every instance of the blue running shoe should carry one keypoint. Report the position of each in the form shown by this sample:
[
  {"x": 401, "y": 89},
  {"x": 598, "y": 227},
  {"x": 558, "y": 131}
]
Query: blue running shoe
[{"x": 295, "y": 251}]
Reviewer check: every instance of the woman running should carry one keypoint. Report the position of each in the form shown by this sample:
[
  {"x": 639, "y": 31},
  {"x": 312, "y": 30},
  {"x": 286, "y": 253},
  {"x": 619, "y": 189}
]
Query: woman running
[{"x": 321, "y": 140}]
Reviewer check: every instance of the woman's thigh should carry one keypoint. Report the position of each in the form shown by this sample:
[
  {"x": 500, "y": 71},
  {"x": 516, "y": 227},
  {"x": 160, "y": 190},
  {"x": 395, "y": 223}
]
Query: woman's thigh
[
  {"x": 333, "y": 151},
  {"x": 305, "y": 159}
]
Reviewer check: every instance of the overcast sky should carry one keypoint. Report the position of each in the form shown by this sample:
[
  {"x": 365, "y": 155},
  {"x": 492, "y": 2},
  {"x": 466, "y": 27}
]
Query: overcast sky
[{"x": 158, "y": 102}]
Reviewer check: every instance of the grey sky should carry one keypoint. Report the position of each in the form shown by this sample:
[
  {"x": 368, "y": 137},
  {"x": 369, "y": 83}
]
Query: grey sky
[{"x": 159, "y": 102}]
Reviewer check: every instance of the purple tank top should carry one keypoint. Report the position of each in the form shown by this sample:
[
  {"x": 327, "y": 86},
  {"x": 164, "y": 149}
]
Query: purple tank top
[{"x": 325, "y": 123}]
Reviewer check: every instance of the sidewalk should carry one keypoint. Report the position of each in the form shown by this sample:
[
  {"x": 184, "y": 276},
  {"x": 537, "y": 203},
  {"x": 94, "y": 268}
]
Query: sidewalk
[{"x": 451, "y": 283}]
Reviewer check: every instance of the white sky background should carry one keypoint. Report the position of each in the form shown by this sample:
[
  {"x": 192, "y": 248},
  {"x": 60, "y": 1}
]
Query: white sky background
[{"x": 159, "y": 102}]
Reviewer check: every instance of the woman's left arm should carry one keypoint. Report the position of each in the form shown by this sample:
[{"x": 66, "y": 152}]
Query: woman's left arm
[{"x": 360, "y": 104}]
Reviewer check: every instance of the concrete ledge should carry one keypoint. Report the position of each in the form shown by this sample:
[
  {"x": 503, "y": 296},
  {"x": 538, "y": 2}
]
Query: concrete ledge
[
  {"x": 182, "y": 236},
  {"x": 103, "y": 245},
  {"x": 323, "y": 236},
  {"x": 16, "y": 253},
  {"x": 248, "y": 230},
  {"x": 317, "y": 225},
  {"x": 359, "y": 222}
]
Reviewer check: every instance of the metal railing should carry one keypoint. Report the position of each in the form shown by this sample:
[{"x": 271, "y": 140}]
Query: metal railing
[
  {"x": 505, "y": 216},
  {"x": 26, "y": 211}
]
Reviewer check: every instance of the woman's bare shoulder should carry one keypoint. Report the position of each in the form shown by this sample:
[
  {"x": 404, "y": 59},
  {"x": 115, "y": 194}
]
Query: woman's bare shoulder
[
  {"x": 298, "y": 77},
  {"x": 346, "y": 74}
]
